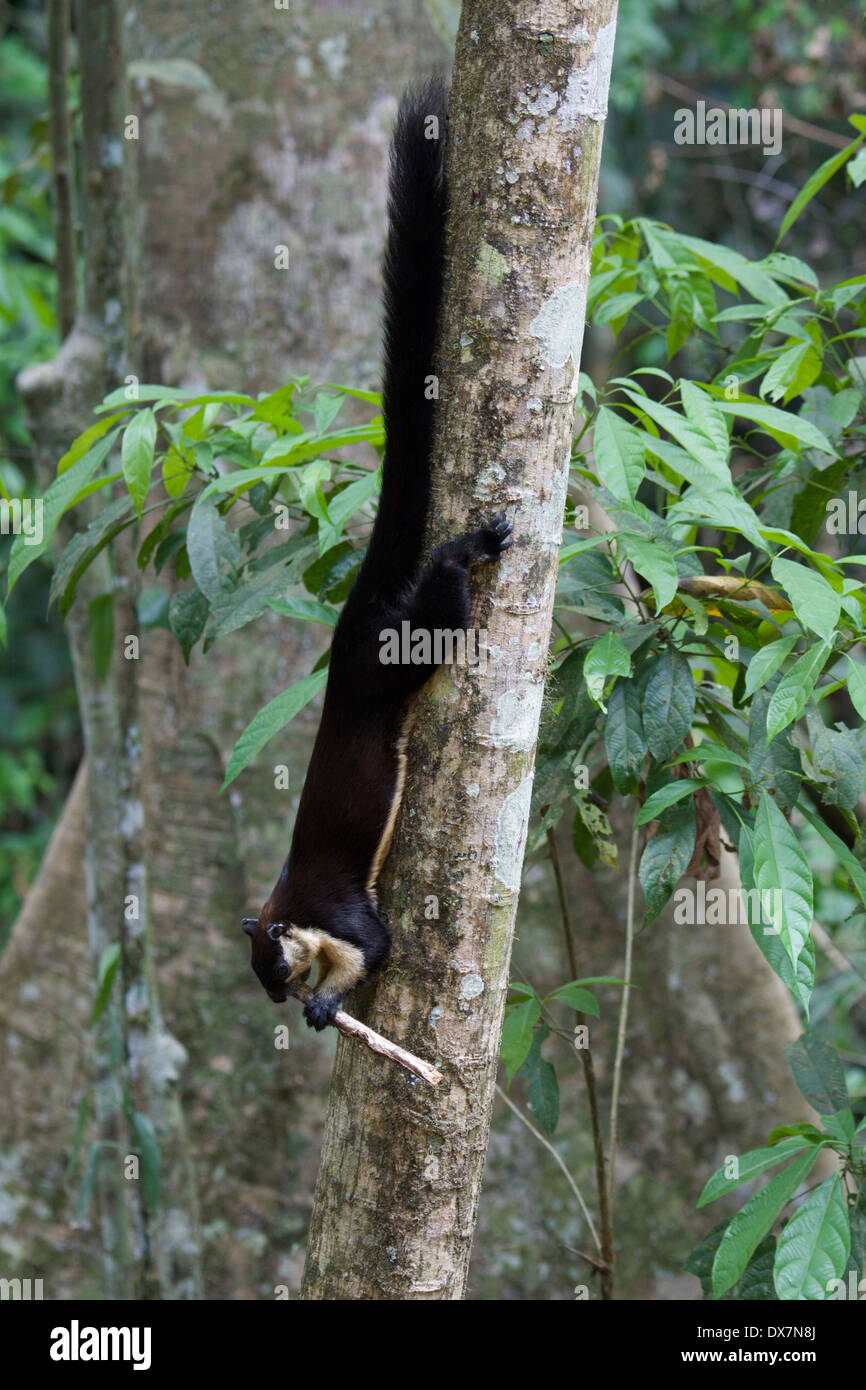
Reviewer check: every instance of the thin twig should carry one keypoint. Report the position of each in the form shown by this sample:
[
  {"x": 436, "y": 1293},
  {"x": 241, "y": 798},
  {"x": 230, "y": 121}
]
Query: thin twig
[
  {"x": 65, "y": 258},
  {"x": 551, "y": 1150},
  {"x": 825, "y": 943},
  {"x": 584, "y": 1255},
  {"x": 351, "y": 1028},
  {"x": 563, "y": 902},
  {"x": 604, "y": 1213},
  {"x": 623, "y": 1013}
]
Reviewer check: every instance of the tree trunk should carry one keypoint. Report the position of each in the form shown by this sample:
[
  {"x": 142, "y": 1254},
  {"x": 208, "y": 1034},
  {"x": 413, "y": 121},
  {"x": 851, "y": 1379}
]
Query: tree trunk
[{"x": 397, "y": 1192}]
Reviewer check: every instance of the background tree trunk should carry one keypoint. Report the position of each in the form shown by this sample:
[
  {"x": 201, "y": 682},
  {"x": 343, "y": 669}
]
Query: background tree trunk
[
  {"x": 401, "y": 1169},
  {"x": 271, "y": 130}
]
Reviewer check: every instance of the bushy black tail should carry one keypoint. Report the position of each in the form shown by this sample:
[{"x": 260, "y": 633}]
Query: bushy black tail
[{"x": 413, "y": 287}]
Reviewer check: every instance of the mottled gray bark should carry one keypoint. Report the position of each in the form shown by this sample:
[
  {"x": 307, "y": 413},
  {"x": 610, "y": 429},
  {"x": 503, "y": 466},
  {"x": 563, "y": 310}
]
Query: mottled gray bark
[{"x": 401, "y": 1169}]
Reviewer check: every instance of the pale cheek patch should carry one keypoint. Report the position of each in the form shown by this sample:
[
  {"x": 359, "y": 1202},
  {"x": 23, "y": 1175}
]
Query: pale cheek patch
[
  {"x": 341, "y": 965},
  {"x": 300, "y": 948}
]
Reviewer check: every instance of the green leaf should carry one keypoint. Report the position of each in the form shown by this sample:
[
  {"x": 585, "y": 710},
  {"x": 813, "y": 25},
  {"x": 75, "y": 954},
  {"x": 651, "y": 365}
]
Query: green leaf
[
  {"x": 837, "y": 763},
  {"x": 269, "y": 721},
  {"x": 703, "y": 412},
  {"x": 788, "y": 429},
  {"x": 732, "y": 269},
  {"x": 665, "y": 797},
  {"x": 346, "y": 503},
  {"x": 136, "y": 456},
  {"x": 576, "y": 998},
  {"x": 167, "y": 395},
  {"x": 372, "y": 397},
  {"x": 857, "y": 685},
  {"x": 812, "y": 507},
  {"x": 818, "y": 1072},
  {"x": 63, "y": 493},
  {"x": 765, "y": 663},
  {"x": 852, "y": 865},
  {"x": 309, "y": 483},
  {"x": 710, "y": 753},
  {"x": 757, "y": 1281},
  {"x": 816, "y": 604},
  {"x": 569, "y": 551},
  {"x": 290, "y": 453},
  {"x": 705, "y": 480},
  {"x": 707, "y": 451},
  {"x": 749, "y": 1165},
  {"x": 790, "y": 269},
  {"x": 813, "y": 185},
  {"x": 842, "y": 1126},
  {"x": 108, "y": 967},
  {"x": 152, "y": 607},
  {"x": 814, "y": 1245},
  {"x": 83, "y": 549},
  {"x": 101, "y": 623},
  {"x": 88, "y": 1185},
  {"x": 668, "y": 703},
  {"x": 148, "y": 1152},
  {"x": 666, "y": 857},
  {"x": 187, "y": 615},
  {"x": 542, "y": 1086},
  {"x": 214, "y": 551},
  {"x": 619, "y": 454},
  {"x": 656, "y": 564},
  {"x": 251, "y": 597},
  {"x": 84, "y": 443},
  {"x": 606, "y": 657},
  {"x": 306, "y": 610},
  {"x": 857, "y": 169},
  {"x": 517, "y": 1035},
  {"x": 792, "y": 371},
  {"x": 521, "y": 990},
  {"x": 794, "y": 690},
  {"x": 805, "y": 1131},
  {"x": 783, "y": 879},
  {"x": 624, "y": 739},
  {"x": 176, "y": 472},
  {"x": 755, "y": 1221},
  {"x": 799, "y": 978}
]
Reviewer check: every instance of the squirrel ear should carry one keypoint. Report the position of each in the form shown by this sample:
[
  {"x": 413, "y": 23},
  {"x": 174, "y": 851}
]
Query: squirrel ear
[{"x": 249, "y": 925}]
